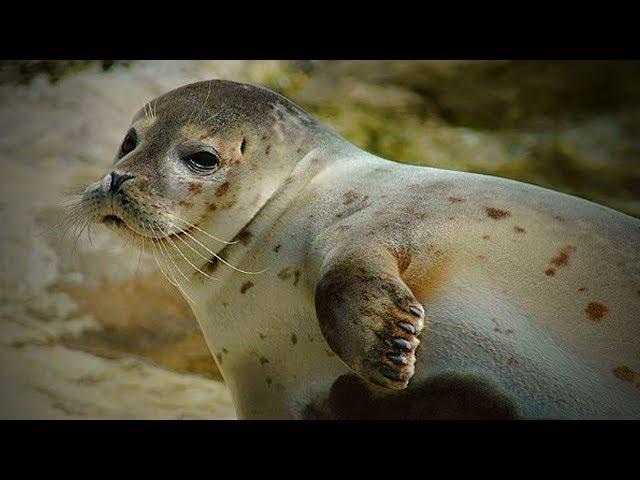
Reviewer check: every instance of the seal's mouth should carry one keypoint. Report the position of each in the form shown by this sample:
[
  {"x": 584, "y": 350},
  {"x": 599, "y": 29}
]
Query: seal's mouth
[{"x": 113, "y": 220}]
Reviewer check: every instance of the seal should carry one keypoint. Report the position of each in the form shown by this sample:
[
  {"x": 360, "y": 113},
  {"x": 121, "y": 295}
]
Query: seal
[{"x": 331, "y": 283}]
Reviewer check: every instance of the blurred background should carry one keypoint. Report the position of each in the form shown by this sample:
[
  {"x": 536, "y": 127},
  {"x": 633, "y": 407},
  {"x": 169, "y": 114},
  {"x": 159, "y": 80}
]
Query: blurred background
[{"x": 85, "y": 332}]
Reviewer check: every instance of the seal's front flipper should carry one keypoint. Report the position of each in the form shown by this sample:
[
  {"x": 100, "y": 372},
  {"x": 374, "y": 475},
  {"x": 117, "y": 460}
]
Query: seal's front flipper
[{"x": 369, "y": 316}]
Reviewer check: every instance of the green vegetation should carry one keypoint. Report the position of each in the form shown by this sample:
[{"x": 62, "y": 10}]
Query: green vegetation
[{"x": 569, "y": 126}]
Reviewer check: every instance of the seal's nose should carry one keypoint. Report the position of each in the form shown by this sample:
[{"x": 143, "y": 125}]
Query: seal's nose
[{"x": 117, "y": 179}]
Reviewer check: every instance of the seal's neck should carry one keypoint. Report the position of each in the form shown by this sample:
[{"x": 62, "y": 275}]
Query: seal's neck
[{"x": 262, "y": 330}]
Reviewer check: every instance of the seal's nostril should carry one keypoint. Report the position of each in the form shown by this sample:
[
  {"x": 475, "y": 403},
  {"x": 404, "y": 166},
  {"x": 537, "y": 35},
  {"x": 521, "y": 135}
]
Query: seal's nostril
[{"x": 117, "y": 179}]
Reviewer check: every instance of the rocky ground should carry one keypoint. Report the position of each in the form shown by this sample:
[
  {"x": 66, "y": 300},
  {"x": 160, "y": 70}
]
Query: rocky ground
[{"x": 86, "y": 333}]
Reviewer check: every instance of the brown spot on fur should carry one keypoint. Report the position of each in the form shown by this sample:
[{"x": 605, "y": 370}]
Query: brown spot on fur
[
  {"x": 219, "y": 358},
  {"x": 211, "y": 266},
  {"x": 194, "y": 187},
  {"x": 496, "y": 213},
  {"x": 481, "y": 257},
  {"x": 185, "y": 204},
  {"x": 350, "y": 197},
  {"x": 276, "y": 248},
  {"x": 596, "y": 311},
  {"x": 268, "y": 381},
  {"x": 513, "y": 361},
  {"x": 496, "y": 327},
  {"x": 263, "y": 360},
  {"x": 212, "y": 207},
  {"x": 583, "y": 289},
  {"x": 262, "y": 336},
  {"x": 225, "y": 351},
  {"x": 431, "y": 248},
  {"x": 246, "y": 286},
  {"x": 519, "y": 229},
  {"x": 222, "y": 189},
  {"x": 486, "y": 237},
  {"x": 456, "y": 200},
  {"x": 562, "y": 259},
  {"x": 284, "y": 274},
  {"x": 624, "y": 373},
  {"x": 245, "y": 237},
  {"x": 294, "y": 338},
  {"x": 296, "y": 274},
  {"x": 268, "y": 149},
  {"x": 229, "y": 204}
]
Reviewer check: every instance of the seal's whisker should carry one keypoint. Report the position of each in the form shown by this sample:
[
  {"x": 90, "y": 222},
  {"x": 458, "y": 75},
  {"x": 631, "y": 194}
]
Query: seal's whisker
[
  {"x": 215, "y": 254},
  {"x": 71, "y": 223},
  {"x": 166, "y": 253},
  {"x": 195, "y": 107},
  {"x": 74, "y": 213},
  {"x": 173, "y": 282},
  {"x": 200, "y": 255},
  {"x": 204, "y": 104},
  {"x": 189, "y": 261},
  {"x": 141, "y": 244},
  {"x": 74, "y": 192},
  {"x": 79, "y": 230},
  {"x": 89, "y": 234},
  {"x": 200, "y": 230},
  {"x": 154, "y": 249},
  {"x": 147, "y": 111}
]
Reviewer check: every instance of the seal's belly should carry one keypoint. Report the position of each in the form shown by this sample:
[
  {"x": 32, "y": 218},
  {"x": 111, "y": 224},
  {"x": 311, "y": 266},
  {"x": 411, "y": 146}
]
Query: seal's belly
[{"x": 546, "y": 312}]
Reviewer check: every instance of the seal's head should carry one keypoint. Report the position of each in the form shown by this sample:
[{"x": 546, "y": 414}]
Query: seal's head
[{"x": 204, "y": 156}]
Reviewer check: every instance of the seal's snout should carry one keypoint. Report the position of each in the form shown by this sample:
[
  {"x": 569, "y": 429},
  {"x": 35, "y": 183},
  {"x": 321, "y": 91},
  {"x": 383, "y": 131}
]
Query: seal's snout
[{"x": 117, "y": 179}]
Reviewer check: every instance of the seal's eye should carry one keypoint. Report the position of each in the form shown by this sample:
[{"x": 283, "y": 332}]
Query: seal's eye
[
  {"x": 129, "y": 143},
  {"x": 203, "y": 162}
]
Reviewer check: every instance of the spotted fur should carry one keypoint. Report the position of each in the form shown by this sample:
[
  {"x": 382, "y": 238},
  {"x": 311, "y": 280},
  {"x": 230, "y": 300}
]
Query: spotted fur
[{"x": 381, "y": 290}]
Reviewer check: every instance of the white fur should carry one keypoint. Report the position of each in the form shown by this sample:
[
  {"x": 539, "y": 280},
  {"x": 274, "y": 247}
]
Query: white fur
[{"x": 564, "y": 358}]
